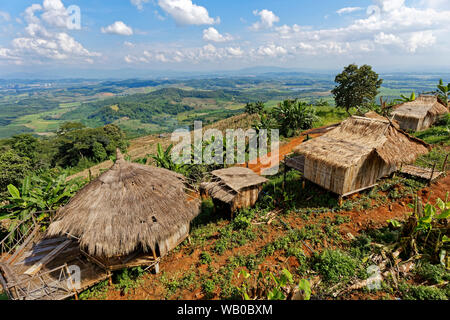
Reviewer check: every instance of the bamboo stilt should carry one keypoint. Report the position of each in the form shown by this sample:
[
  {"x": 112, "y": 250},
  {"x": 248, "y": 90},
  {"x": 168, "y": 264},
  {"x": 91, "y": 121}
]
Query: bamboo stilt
[
  {"x": 432, "y": 174},
  {"x": 71, "y": 282}
]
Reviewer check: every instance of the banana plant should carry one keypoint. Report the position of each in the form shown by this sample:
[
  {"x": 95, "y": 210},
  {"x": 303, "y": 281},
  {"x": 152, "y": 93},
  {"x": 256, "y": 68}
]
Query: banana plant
[
  {"x": 163, "y": 159},
  {"x": 404, "y": 98},
  {"x": 443, "y": 91},
  {"x": 42, "y": 194}
]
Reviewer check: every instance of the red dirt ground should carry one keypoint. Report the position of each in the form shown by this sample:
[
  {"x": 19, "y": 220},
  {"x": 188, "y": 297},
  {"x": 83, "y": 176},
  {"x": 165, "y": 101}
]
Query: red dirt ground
[
  {"x": 177, "y": 263},
  {"x": 182, "y": 262},
  {"x": 285, "y": 149}
]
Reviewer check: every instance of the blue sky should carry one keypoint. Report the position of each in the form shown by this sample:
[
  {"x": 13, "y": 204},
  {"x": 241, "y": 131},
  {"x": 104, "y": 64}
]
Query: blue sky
[{"x": 207, "y": 35}]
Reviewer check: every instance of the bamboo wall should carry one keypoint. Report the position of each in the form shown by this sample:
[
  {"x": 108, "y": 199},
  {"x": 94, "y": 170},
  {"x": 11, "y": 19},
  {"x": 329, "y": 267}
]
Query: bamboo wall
[
  {"x": 415, "y": 124},
  {"x": 170, "y": 243},
  {"x": 329, "y": 177},
  {"x": 345, "y": 180},
  {"x": 246, "y": 198},
  {"x": 366, "y": 173}
]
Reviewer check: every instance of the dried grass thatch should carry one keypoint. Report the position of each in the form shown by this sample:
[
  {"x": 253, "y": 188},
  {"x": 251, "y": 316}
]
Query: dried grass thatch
[
  {"x": 356, "y": 137},
  {"x": 419, "y": 114},
  {"x": 127, "y": 208},
  {"x": 359, "y": 146},
  {"x": 226, "y": 184},
  {"x": 376, "y": 116}
]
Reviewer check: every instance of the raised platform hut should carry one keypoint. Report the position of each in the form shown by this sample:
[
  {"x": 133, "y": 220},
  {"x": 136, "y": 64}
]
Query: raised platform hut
[
  {"x": 354, "y": 155},
  {"x": 419, "y": 114},
  {"x": 131, "y": 215},
  {"x": 234, "y": 188}
]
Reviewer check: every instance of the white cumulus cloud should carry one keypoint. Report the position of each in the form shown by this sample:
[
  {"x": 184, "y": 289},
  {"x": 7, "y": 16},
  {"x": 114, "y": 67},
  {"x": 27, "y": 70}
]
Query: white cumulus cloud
[
  {"x": 211, "y": 34},
  {"x": 267, "y": 19},
  {"x": 45, "y": 37},
  {"x": 184, "y": 12},
  {"x": 119, "y": 28}
]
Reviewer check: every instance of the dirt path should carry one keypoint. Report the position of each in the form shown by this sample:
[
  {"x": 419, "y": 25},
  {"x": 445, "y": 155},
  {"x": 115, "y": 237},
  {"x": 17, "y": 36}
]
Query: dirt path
[{"x": 286, "y": 149}]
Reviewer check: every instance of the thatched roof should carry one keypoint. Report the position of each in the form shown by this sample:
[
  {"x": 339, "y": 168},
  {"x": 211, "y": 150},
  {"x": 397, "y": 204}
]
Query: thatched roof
[
  {"x": 227, "y": 183},
  {"x": 376, "y": 116},
  {"x": 129, "y": 207},
  {"x": 356, "y": 137},
  {"x": 423, "y": 106}
]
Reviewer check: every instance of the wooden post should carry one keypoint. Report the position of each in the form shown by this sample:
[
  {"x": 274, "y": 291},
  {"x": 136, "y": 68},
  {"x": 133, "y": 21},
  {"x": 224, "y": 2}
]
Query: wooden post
[
  {"x": 432, "y": 173},
  {"x": 444, "y": 166},
  {"x": 110, "y": 279},
  {"x": 71, "y": 282},
  {"x": 157, "y": 268},
  {"x": 340, "y": 201}
]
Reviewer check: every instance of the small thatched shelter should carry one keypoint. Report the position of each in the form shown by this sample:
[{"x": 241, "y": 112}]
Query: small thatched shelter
[
  {"x": 128, "y": 210},
  {"x": 419, "y": 114},
  {"x": 234, "y": 188},
  {"x": 353, "y": 156}
]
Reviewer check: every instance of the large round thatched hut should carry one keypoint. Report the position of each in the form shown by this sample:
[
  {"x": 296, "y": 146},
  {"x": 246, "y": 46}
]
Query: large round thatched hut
[{"x": 132, "y": 213}]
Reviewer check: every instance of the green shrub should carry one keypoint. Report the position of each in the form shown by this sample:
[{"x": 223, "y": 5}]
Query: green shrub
[
  {"x": 221, "y": 246},
  {"x": 243, "y": 219},
  {"x": 128, "y": 279},
  {"x": 205, "y": 258},
  {"x": 421, "y": 293},
  {"x": 96, "y": 292},
  {"x": 208, "y": 288},
  {"x": 435, "y": 274},
  {"x": 335, "y": 265}
]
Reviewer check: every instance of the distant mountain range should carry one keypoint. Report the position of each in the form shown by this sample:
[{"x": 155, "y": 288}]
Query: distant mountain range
[{"x": 129, "y": 73}]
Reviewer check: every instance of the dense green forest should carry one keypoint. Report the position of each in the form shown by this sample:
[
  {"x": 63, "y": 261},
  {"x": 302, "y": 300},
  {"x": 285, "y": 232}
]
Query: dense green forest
[{"x": 73, "y": 148}]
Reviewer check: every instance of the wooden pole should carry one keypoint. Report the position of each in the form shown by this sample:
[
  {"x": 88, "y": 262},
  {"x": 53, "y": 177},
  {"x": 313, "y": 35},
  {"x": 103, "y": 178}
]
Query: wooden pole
[
  {"x": 340, "y": 201},
  {"x": 444, "y": 166},
  {"x": 71, "y": 282},
  {"x": 432, "y": 173}
]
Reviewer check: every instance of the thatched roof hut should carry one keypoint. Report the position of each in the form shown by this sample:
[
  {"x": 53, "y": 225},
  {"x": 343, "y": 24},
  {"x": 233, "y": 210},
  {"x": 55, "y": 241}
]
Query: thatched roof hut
[
  {"x": 419, "y": 114},
  {"x": 357, "y": 153},
  {"x": 234, "y": 188},
  {"x": 129, "y": 208}
]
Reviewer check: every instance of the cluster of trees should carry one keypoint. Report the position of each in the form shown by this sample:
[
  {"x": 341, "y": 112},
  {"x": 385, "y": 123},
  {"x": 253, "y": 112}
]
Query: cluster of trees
[
  {"x": 289, "y": 116},
  {"x": 75, "y": 143},
  {"x": 73, "y": 146}
]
